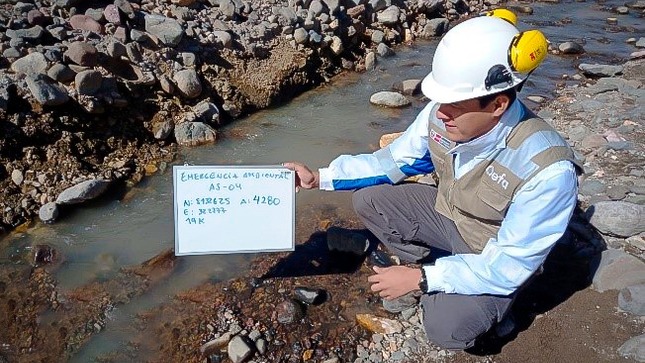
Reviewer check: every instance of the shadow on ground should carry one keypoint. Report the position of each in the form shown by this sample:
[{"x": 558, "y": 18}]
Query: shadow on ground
[
  {"x": 567, "y": 270},
  {"x": 312, "y": 257}
]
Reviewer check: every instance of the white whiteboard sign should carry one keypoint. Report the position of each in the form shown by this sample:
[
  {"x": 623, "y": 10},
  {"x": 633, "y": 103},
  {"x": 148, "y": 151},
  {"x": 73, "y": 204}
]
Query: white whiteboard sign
[{"x": 233, "y": 209}]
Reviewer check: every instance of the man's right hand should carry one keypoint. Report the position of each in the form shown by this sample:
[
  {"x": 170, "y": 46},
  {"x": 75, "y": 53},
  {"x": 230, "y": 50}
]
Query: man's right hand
[{"x": 305, "y": 178}]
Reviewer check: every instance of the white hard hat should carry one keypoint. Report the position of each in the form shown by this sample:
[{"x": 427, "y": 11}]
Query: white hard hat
[{"x": 478, "y": 58}]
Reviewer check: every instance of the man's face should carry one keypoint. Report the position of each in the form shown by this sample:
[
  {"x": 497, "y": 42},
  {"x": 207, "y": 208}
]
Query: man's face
[{"x": 466, "y": 120}]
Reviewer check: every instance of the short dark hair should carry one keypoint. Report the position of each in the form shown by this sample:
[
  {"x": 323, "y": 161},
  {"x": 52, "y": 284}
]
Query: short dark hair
[{"x": 486, "y": 100}]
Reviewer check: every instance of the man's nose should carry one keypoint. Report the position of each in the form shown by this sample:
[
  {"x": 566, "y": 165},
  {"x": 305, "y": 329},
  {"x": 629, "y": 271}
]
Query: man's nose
[{"x": 442, "y": 115}]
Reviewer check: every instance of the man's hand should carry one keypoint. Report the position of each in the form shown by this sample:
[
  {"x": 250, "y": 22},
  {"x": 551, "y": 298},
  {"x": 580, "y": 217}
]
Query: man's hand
[
  {"x": 305, "y": 178},
  {"x": 395, "y": 281}
]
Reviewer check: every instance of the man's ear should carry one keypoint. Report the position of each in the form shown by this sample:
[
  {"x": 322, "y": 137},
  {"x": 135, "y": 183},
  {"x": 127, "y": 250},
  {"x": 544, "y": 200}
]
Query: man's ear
[{"x": 501, "y": 104}]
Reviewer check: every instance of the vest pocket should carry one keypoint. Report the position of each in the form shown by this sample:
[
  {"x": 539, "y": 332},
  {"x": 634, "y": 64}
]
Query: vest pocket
[{"x": 490, "y": 196}]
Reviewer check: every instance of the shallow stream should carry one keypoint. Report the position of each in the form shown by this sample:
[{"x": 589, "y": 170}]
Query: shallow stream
[{"x": 335, "y": 119}]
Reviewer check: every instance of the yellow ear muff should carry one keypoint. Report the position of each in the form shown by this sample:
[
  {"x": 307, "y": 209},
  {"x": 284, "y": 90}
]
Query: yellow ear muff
[
  {"x": 503, "y": 14},
  {"x": 528, "y": 49}
]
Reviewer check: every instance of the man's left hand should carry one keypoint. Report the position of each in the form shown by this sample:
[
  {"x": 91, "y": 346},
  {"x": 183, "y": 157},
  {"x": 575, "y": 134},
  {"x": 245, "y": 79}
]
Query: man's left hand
[{"x": 395, "y": 281}]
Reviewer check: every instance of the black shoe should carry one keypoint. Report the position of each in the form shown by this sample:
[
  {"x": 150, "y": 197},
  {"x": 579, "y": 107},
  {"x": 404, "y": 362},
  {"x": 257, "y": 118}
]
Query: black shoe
[
  {"x": 381, "y": 259},
  {"x": 347, "y": 240}
]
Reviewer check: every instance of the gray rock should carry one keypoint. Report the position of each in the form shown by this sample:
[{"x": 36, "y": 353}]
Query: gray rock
[
  {"x": 83, "y": 191},
  {"x": 194, "y": 134},
  {"x": 634, "y": 348},
  {"x": 301, "y": 36},
  {"x": 61, "y": 73},
  {"x": 17, "y": 177},
  {"x": 30, "y": 64},
  {"x": 384, "y": 51},
  {"x": 48, "y": 213},
  {"x": 632, "y": 299},
  {"x": 239, "y": 350},
  {"x": 168, "y": 30},
  {"x": 31, "y": 34},
  {"x": 435, "y": 27},
  {"x": 88, "y": 82},
  {"x": 188, "y": 83},
  {"x": 571, "y": 48},
  {"x": 162, "y": 129},
  {"x": 207, "y": 112},
  {"x": 261, "y": 346},
  {"x": 615, "y": 270},
  {"x": 389, "y": 16},
  {"x": 408, "y": 87},
  {"x": 617, "y": 218},
  {"x": 389, "y": 99},
  {"x": 600, "y": 70},
  {"x": 640, "y": 43},
  {"x": 377, "y": 36},
  {"x": 370, "y": 61},
  {"x": 46, "y": 91},
  {"x": 592, "y": 187},
  {"x": 125, "y": 7},
  {"x": 289, "y": 311},
  {"x": 224, "y": 38},
  {"x": 215, "y": 344}
]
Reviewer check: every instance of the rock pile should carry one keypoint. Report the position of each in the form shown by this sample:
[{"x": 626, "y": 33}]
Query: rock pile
[{"x": 106, "y": 89}]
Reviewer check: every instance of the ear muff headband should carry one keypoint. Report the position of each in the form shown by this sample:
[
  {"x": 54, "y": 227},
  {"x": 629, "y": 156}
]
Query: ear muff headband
[
  {"x": 503, "y": 14},
  {"x": 527, "y": 50}
]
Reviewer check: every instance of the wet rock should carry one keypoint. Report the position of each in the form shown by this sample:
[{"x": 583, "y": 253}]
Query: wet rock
[
  {"x": 194, "y": 134},
  {"x": 289, "y": 311},
  {"x": 43, "y": 254},
  {"x": 389, "y": 99},
  {"x": 370, "y": 61},
  {"x": 376, "y": 324},
  {"x": 615, "y": 270},
  {"x": 216, "y": 344},
  {"x": 384, "y": 51},
  {"x": 571, "y": 48},
  {"x": 310, "y": 296},
  {"x": 408, "y": 87},
  {"x": 239, "y": 350},
  {"x": 48, "y": 213},
  {"x": 632, "y": 299},
  {"x": 207, "y": 112},
  {"x": 617, "y": 218},
  {"x": 634, "y": 348},
  {"x": 83, "y": 191},
  {"x": 600, "y": 70}
]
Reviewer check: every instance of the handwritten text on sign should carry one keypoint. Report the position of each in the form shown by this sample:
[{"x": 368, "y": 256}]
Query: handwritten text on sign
[{"x": 222, "y": 209}]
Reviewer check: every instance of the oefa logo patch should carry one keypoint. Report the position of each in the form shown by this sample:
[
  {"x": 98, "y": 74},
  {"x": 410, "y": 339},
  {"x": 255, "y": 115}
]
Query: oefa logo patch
[{"x": 499, "y": 179}]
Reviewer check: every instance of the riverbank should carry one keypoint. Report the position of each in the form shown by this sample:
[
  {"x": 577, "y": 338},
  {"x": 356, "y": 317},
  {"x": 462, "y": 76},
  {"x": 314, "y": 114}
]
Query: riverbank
[{"x": 106, "y": 91}]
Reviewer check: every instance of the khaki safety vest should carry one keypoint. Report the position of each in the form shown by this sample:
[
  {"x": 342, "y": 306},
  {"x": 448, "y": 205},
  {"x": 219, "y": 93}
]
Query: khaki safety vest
[{"x": 478, "y": 201}]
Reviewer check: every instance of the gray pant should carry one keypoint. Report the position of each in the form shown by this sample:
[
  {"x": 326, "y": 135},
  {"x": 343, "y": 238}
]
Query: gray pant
[{"x": 403, "y": 218}]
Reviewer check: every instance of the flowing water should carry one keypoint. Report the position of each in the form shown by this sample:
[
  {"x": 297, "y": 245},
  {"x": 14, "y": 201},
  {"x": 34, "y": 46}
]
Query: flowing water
[{"x": 314, "y": 128}]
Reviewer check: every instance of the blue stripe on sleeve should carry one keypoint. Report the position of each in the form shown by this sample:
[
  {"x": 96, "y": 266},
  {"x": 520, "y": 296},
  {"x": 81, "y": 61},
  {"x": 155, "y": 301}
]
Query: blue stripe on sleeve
[{"x": 420, "y": 166}]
